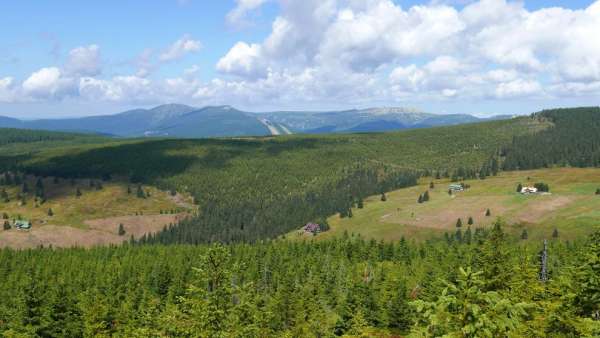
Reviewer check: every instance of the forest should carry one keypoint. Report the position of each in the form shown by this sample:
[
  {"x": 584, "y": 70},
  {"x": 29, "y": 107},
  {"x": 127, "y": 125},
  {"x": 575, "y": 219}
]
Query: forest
[
  {"x": 255, "y": 188},
  {"x": 228, "y": 271},
  {"x": 483, "y": 286}
]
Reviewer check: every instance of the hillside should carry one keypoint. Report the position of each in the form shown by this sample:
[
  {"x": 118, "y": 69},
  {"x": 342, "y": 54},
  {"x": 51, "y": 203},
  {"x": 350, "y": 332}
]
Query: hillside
[
  {"x": 571, "y": 208},
  {"x": 176, "y": 120},
  {"x": 367, "y": 120},
  {"x": 299, "y": 178},
  {"x": 84, "y": 213}
]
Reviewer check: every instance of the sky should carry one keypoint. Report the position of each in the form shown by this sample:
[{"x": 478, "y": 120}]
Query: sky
[{"x": 79, "y": 58}]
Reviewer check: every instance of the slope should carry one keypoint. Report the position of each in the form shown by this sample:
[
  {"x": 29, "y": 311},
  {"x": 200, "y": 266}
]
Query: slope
[{"x": 571, "y": 208}]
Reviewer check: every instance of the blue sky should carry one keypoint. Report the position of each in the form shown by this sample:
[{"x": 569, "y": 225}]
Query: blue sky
[{"x": 74, "y": 58}]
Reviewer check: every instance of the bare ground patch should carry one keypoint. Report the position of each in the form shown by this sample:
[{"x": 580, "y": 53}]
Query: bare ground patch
[
  {"x": 444, "y": 218},
  {"x": 536, "y": 210}
]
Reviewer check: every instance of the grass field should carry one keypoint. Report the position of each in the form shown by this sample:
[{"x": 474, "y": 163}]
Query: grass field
[
  {"x": 572, "y": 207},
  {"x": 91, "y": 218}
]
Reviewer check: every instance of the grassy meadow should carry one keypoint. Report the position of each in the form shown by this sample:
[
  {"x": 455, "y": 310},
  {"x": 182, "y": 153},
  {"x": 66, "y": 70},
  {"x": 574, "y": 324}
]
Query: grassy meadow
[{"x": 571, "y": 207}]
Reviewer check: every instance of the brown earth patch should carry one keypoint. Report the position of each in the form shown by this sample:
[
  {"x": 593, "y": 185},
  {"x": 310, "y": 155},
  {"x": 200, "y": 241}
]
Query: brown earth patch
[
  {"x": 445, "y": 218},
  {"x": 537, "y": 209}
]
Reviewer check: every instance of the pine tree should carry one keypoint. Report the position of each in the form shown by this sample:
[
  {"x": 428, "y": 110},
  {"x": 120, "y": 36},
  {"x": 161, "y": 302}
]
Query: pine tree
[
  {"x": 468, "y": 237},
  {"x": 459, "y": 223},
  {"x": 524, "y": 234},
  {"x": 464, "y": 309},
  {"x": 420, "y": 199},
  {"x": 121, "y": 230},
  {"x": 555, "y": 233},
  {"x": 426, "y": 196},
  {"x": 4, "y": 196},
  {"x": 458, "y": 235},
  {"x": 360, "y": 203},
  {"x": 488, "y": 213},
  {"x": 50, "y": 212},
  {"x": 587, "y": 299},
  {"x": 140, "y": 192},
  {"x": 470, "y": 221}
]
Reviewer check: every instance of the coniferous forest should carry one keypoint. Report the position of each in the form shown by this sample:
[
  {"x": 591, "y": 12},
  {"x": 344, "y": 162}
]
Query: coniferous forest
[
  {"x": 482, "y": 287},
  {"x": 228, "y": 272}
]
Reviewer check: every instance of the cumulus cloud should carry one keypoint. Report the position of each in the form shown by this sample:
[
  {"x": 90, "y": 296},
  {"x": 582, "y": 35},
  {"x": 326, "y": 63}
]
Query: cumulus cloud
[
  {"x": 48, "y": 83},
  {"x": 180, "y": 48},
  {"x": 237, "y": 15},
  {"x": 84, "y": 61},
  {"x": 489, "y": 49},
  {"x": 360, "y": 51},
  {"x": 243, "y": 60}
]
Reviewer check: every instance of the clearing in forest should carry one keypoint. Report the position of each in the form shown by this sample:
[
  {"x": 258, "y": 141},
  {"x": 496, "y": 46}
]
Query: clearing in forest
[
  {"x": 572, "y": 207},
  {"x": 89, "y": 218}
]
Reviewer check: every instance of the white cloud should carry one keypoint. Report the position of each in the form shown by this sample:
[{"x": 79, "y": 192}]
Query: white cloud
[
  {"x": 243, "y": 60},
  {"x": 518, "y": 88},
  {"x": 7, "y": 89},
  {"x": 84, "y": 61},
  {"x": 236, "y": 16},
  {"x": 355, "y": 52},
  {"x": 180, "y": 48},
  {"x": 490, "y": 49},
  {"x": 48, "y": 83}
]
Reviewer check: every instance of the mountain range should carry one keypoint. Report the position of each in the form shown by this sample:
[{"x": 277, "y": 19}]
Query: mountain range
[{"x": 176, "y": 120}]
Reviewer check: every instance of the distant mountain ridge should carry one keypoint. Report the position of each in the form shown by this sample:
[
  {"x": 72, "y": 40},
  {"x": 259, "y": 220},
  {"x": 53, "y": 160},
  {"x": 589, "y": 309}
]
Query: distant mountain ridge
[{"x": 177, "y": 120}]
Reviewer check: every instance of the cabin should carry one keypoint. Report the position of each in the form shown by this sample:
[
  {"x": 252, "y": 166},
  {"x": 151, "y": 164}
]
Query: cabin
[
  {"x": 456, "y": 187},
  {"x": 22, "y": 224},
  {"x": 529, "y": 190},
  {"x": 312, "y": 228}
]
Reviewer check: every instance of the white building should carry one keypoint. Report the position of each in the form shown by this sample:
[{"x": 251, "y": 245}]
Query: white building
[{"x": 529, "y": 190}]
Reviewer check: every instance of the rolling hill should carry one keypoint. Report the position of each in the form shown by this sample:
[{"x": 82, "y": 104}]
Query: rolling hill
[
  {"x": 176, "y": 120},
  {"x": 253, "y": 188}
]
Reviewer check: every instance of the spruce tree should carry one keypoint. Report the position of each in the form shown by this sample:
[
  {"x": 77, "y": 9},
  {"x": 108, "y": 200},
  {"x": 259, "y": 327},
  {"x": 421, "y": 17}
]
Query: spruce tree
[
  {"x": 598, "y": 191},
  {"x": 555, "y": 233},
  {"x": 383, "y": 197},
  {"x": 470, "y": 221},
  {"x": 121, "y": 230},
  {"x": 459, "y": 223},
  {"x": 50, "y": 212},
  {"x": 420, "y": 199},
  {"x": 519, "y": 187},
  {"x": 360, "y": 203},
  {"x": 488, "y": 213},
  {"x": 140, "y": 192},
  {"x": 524, "y": 234},
  {"x": 426, "y": 196}
]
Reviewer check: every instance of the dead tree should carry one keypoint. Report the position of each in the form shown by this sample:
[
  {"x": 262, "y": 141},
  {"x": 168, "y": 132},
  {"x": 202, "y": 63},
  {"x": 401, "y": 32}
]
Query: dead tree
[{"x": 544, "y": 263}]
